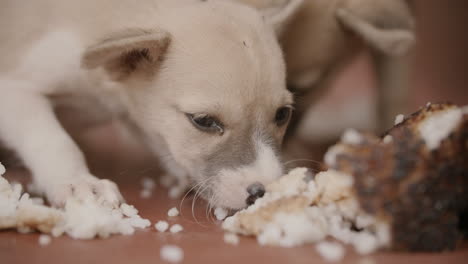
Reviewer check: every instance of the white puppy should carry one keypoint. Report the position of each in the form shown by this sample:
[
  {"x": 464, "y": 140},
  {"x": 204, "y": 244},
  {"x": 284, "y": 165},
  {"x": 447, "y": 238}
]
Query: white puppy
[{"x": 203, "y": 82}]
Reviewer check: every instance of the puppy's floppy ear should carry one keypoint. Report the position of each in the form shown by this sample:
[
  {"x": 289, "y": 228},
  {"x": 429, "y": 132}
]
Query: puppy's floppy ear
[
  {"x": 388, "y": 29},
  {"x": 277, "y": 13},
  {"x": 127, "y": 52}
]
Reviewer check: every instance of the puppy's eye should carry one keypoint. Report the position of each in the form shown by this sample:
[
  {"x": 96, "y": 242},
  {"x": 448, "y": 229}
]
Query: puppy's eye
[
  {"x": 282, "y": 115},
  {"x": 206, "y": 123}
]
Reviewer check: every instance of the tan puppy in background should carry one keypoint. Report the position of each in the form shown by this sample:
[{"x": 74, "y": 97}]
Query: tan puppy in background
[
  {"x": 201, "y": 82},
  {"x": 325, "y": 34}
]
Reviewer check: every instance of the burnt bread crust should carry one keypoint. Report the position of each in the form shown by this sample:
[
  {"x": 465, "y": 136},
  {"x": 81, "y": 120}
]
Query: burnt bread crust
[{"x": 421, "y": 192}]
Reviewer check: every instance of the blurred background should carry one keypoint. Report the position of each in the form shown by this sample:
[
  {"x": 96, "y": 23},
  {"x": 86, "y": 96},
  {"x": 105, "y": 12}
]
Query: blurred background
[{"x": 437, "y": 72}]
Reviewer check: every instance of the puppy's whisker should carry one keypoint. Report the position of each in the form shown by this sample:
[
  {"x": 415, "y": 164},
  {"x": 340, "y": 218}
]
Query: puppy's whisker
[
  {"x": 193, "y": 202},
  {"x": 197, "y": 194},
  {"x": 215, "y": 201},
  {"x": 207, "y": 209},
  {"x": 199, "y": 191},
  {"x": 187, "y": 193},
  {"x": 207, "y": 206},
  {"x": 212, "y": 201}
]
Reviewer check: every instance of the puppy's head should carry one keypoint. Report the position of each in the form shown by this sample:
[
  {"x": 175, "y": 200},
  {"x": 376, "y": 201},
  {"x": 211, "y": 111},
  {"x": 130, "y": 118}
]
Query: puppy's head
[{"x": 212, "y": 88}]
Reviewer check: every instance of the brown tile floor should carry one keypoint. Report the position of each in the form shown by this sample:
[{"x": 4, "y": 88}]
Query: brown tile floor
[{"x": 202, "y": 241}]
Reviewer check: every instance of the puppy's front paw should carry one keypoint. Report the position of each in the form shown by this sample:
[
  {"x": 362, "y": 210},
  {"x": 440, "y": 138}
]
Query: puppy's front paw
[{"x": 84, "y": 188}]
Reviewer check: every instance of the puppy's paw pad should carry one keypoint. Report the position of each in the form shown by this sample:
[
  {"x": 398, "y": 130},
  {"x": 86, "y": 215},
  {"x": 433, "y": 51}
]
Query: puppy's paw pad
[
  {"x": 107, "y": 193},
  {"x": 85, "y": 189}
]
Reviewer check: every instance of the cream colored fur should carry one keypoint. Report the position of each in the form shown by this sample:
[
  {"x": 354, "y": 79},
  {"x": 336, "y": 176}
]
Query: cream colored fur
[{"x": 150, "y": 62}]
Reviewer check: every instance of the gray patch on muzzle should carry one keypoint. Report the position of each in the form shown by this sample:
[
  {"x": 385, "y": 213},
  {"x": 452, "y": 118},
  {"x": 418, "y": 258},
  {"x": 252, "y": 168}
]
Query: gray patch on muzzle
[{"x": 236, "y": 152}]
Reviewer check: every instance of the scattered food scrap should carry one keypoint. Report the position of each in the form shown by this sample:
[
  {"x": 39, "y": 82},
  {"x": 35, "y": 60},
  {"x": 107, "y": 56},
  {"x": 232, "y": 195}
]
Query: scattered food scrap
[{"x": 78, "y": 219}]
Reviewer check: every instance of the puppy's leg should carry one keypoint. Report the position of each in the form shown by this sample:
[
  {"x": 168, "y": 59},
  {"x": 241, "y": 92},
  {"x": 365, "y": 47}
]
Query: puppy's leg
[
  {"x": 29, "y": 126},
  {"x": 393, "y": 80}
]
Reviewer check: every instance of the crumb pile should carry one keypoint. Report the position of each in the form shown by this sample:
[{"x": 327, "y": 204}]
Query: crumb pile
[
  {"x": 79, "y": 219},
  {"x": 405, "y": 191},
  {"x": 297, "y": 209}
]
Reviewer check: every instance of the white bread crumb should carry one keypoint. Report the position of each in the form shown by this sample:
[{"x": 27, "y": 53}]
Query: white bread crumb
[
  {"x": 399, "y": 118},
  {"x": 330, "y": 251},
  {"x": 148, "y": 183},
  {"x": 145, "y": 193},
  {"x": 161, "y": 226},
  {"x": 332, "y": 153},
  {"x": 365, "y": 243},
  {"x": 44, "y": 240},
  {"x": 176, "y": 228},
  {"x": 175, "y": 192},
  {"x": 220, "y": 213},
  {"x": 137, "y": 221},
  {"x": 173, "y": 212},
  {"x": 231, "y": 238},
  {"x": 352, "y": 137},
  {"x": 128, "y": 210},
  {"x": 387, "y": 139},
  {"x": 438, "y": 126},
  {"x": 171, "y": 253},
  {"x": 2, "y": 169}
]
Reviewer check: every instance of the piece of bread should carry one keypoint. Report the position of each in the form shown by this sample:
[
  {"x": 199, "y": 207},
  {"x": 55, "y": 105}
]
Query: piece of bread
[{"x": 416, "y": 179}]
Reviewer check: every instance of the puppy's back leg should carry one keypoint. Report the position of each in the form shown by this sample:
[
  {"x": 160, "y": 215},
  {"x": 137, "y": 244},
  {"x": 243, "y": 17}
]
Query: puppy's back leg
[
  {"x": 393, "y": 88},
  {"x": 29, "y": 126}
]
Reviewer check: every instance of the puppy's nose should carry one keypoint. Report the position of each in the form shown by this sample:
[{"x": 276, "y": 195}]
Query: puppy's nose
[{"x": 255, "y": 190}]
